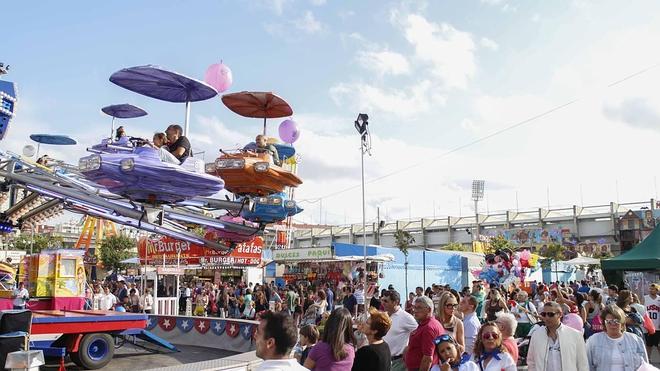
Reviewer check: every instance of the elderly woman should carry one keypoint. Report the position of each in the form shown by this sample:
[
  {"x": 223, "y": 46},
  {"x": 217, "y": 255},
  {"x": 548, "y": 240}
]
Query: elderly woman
[
  {"x": 507, "y": 324},
  {"x": 615, "y": 349},
  {"x": 525, "y": 314},
  {"x": 376, "y": 355},
  {"x": 489, "y": 353}
]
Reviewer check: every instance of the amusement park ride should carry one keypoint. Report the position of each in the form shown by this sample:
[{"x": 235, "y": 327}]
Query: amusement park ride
[{"x": 129, "y": 182}]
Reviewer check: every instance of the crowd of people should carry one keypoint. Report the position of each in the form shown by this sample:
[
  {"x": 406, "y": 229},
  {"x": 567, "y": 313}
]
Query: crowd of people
[{"x": 560, "y": 326}]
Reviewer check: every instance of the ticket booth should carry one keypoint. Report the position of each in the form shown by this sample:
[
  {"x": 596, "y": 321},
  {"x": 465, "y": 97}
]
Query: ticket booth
[{"x": 164, "y": 284}]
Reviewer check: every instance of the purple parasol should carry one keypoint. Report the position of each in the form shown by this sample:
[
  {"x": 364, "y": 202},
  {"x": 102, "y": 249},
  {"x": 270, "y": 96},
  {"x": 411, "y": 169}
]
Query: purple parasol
[
  {"x": 158, "y": 83},
  {"x": 122, "y": 111}
]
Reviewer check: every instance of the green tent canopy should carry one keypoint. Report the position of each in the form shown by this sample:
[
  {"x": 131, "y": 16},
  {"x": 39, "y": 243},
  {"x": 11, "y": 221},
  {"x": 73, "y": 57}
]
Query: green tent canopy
[{"x": 644, "y": 256}]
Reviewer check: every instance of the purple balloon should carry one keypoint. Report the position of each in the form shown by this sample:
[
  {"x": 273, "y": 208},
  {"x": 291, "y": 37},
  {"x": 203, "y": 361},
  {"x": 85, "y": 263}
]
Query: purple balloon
[
  {"x": 289, "y": 132},
  {"x": 219, "y": 76}
]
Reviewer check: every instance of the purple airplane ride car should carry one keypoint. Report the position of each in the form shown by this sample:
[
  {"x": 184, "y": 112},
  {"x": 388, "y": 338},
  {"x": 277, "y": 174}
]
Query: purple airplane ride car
[{"x": 143, "y": 174}]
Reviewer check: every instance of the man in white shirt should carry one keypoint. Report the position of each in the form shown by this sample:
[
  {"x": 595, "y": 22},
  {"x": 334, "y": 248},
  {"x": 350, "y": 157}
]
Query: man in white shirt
[
  {"x": 275, "y": 337},
  {"x": 471, "y": 323},
  {"x": 403, "y": 323},
  {"x": 108, "y": 299},
  {"x": 21, "y": 296},
  {"x": 557, "y": 347},
  {"x": 359, "y": 296},
  {"x": 652, "y": 305}
]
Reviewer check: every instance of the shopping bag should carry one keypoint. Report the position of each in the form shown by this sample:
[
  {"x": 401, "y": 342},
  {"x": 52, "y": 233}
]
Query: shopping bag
[{"x": 648, "y": 324}]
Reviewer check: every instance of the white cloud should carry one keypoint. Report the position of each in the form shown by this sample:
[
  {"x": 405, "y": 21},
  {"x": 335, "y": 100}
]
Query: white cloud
[
  {"x": 407, "y": 102},
  {"x": 489, "y": 44},
  {"x": 384, "y": 62},
  {"x": 290, "y": 30},
  {"x": 276, "y": 6},
  {"x": 448, "y": 51},
  {"x": 318, "y": 2},
  {"x": 308, "y": 23},
  {"x": 536, "y": 17}
]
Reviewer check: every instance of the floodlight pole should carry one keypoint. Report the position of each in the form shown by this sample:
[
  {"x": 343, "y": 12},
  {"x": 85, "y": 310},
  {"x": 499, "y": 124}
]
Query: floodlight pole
[{"x": 364, "y": 214}]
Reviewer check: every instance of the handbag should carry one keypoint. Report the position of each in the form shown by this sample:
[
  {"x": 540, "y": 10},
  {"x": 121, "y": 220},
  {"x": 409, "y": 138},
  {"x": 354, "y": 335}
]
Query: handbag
[
  {"x": 596, "y": 324},
  {"x": 648, "y": 324}
]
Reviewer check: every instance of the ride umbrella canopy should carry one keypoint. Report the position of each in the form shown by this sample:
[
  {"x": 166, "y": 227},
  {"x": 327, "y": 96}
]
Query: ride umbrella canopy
[{"x": 159, "y": 83}]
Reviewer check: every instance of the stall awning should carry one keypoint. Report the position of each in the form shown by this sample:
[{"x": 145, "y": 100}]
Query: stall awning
[
  {"x": 644, "y": 256},
  {"x": 373, "y": 258},
  {"x": 582, "y": 260}
]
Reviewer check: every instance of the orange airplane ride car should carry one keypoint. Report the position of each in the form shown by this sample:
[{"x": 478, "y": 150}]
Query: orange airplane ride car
[{"x": 248, "y": 172}]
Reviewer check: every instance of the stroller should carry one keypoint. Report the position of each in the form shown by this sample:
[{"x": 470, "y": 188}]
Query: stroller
[
  {"x": 523, "y": 344},
  {"x": 310, "y": 316}
]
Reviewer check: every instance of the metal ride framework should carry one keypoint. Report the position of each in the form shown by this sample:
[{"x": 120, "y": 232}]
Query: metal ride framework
[{"x": 45, "y": 190}]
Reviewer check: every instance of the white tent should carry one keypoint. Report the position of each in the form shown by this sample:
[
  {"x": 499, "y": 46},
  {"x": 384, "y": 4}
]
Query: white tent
[
  {"x": 131, "y": 261},
  {"x": 583, "y": 260}
]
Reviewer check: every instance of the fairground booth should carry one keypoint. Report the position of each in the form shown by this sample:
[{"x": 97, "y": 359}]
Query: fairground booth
[
  {"x": 170, "y": 263},
  {"x": 344, "y": 262},
  {"x": 637, "y": 268}
]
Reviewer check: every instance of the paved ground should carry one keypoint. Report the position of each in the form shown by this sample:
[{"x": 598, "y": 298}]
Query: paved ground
[{"x": 130, "y": 357}]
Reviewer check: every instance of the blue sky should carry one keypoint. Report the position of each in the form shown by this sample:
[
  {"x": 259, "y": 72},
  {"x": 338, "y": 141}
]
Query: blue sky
[{"x": 432, "y": 76}]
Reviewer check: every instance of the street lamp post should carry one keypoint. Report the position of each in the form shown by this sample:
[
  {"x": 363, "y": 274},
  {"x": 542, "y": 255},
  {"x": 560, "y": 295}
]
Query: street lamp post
[
  {"x": 362, "y": 127},
  {"x": 477, "y": 195}
]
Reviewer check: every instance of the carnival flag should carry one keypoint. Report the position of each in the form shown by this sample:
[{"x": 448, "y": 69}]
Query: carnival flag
[
  {"x": 166, "y": 323},
  {"x": 202, "y": 325},
  {"x": 218, "y": 327},
  {"x": 247, "y": 330},
  {"x": 151, "y": 322},
  {"x": 184, "y": 324},
  {"x": 233, "y": 329}
]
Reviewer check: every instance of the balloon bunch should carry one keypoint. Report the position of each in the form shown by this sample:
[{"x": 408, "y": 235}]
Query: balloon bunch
[{"x": 505, "y": 267}]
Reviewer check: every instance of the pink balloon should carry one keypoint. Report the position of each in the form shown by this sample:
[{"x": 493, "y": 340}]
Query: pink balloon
[
  {"x": 289, "y": 132},
  {"x": 574, "y": 321},
  {"x": 219, "y": 76}
]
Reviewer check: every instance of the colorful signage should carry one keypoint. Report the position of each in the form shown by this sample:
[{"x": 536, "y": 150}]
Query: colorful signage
[
  {"x": 170, "y": 251},
  {"x": 314, "y": 253}
]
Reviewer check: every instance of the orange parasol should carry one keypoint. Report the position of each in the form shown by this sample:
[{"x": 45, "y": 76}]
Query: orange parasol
[{"x": 258, "y": 105}]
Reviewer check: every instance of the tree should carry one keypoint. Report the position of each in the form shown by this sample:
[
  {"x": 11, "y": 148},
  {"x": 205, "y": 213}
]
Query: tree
[
  {"x": 499, "y": 242},
  {"x": 38, "y": 242},
  {"x": 114, "y": 249},
  {"x": 403, "y": 240},
  {"x": 454, "y": 246}
]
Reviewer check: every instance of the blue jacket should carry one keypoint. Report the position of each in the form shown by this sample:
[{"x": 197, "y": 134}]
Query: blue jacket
[{"x": 599, "y": 352}]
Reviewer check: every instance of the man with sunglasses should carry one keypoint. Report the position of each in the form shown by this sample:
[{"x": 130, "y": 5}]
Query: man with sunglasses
[{"x": 557, "y": 348}]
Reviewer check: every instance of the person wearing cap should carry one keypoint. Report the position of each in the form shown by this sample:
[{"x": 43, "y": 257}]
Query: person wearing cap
[
  {"x": 449, "y": 357},
  {"x": 420, "y": 353}
]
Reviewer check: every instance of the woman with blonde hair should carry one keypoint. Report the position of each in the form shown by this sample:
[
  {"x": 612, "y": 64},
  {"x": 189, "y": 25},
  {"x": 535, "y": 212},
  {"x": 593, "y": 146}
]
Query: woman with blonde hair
[
  {"x": 615, "y": 348},
  {"x": 445, "y": 313}
]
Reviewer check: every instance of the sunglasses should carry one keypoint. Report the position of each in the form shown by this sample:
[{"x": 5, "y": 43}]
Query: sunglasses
[
  {"x": 490, "y": 336},
  {"x": 548, "y": 314},
  {"x": 451, "y": 305},
  {"x": 612, "y": 322},
  {"x": 443, "y": 338}
]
